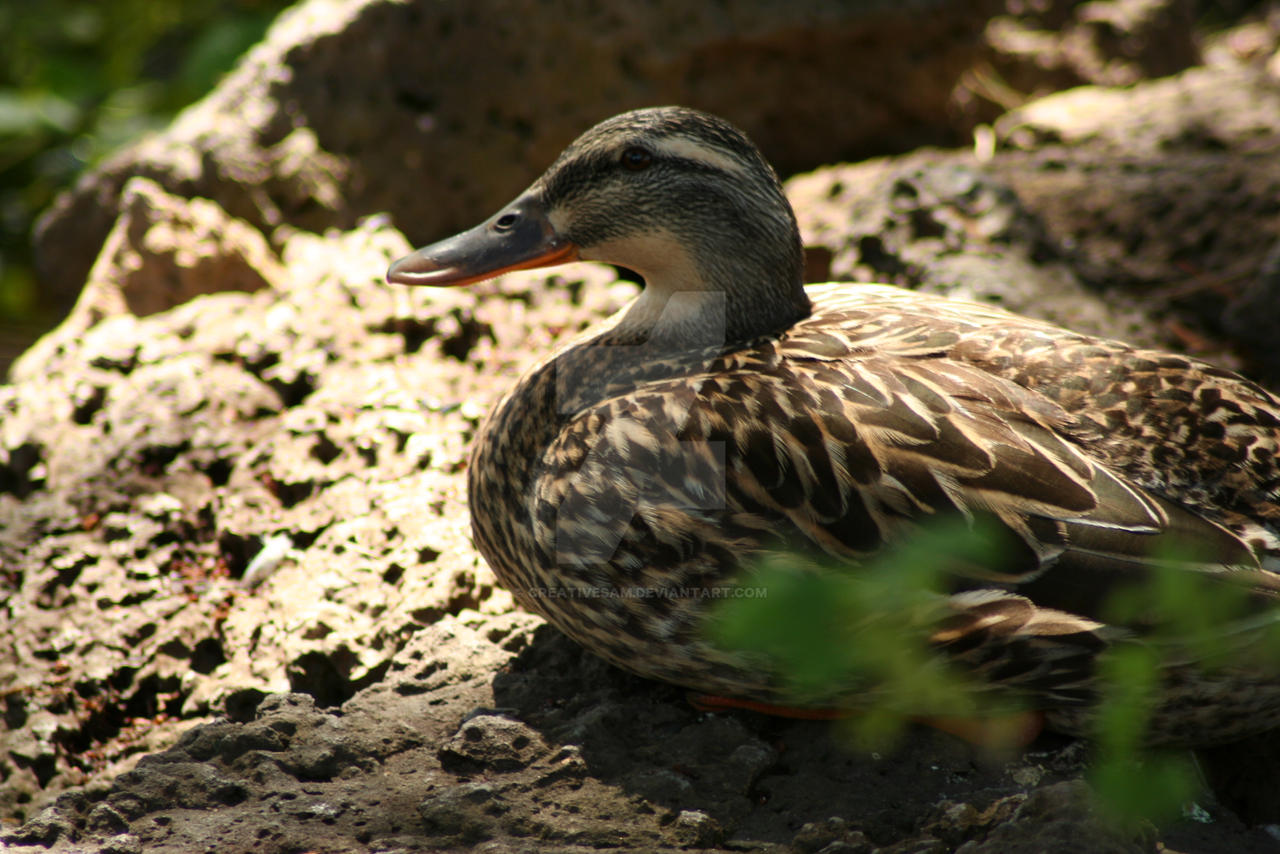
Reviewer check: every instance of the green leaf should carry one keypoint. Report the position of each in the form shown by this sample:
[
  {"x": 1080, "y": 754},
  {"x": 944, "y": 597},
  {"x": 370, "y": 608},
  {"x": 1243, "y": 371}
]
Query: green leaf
[{"x": 30, "y": 113}]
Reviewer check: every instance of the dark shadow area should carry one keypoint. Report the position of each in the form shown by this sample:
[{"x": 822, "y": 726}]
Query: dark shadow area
[{"x": 760, "y": 777}]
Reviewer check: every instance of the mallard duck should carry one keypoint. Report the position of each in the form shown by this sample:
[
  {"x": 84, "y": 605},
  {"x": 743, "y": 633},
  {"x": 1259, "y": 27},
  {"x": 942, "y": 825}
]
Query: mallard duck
[{"x": 730, "y": 411}]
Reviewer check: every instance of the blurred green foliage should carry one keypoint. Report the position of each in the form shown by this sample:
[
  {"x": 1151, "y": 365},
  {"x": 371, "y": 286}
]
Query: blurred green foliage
[
  {"x": 869, "y": 633},
  {"x": 1201, "y": 620},
  {"x": 1135, "y": 783},
  {"x": 79, "y": 78}
]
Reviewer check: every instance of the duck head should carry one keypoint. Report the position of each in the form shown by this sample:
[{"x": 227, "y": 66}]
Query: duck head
[{"x": 681, "y": 197}]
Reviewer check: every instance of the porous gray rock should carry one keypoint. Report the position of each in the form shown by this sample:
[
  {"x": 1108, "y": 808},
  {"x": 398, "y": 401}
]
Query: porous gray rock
[
  {"x": 161, "y": 252},
  {"x": 1063, "y": 819}
]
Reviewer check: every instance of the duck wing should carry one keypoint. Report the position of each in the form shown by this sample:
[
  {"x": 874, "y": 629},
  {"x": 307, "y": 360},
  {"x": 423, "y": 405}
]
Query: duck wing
[{"x": 1186, "y": 431}]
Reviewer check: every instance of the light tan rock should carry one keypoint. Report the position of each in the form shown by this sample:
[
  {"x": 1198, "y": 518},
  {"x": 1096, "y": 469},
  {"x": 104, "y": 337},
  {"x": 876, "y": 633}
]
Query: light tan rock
[{"x": 163, "y": 251}]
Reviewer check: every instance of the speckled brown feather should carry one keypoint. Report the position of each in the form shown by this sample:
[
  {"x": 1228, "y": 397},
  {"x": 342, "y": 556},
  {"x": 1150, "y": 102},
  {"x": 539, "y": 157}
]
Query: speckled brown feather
[{"x": 633, "y": 459}]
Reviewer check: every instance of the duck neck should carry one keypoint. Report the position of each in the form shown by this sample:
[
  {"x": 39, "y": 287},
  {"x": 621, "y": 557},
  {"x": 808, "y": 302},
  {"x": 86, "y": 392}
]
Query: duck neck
[{"x": 688, "y": 303}]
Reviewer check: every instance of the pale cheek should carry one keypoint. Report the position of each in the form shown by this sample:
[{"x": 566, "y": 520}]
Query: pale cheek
[{"x": 664, "y": 262}]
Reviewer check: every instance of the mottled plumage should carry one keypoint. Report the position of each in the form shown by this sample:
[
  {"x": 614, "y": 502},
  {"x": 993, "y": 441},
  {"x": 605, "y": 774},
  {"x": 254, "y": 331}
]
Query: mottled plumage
[{"x": 729, "y": 412}]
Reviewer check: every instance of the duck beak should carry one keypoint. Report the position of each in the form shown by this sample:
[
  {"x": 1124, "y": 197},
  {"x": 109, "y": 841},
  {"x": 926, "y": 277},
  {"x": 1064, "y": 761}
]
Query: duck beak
[{"x": 518, "y": 237}]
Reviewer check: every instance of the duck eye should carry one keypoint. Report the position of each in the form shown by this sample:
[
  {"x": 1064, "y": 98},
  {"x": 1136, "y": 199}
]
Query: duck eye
[{"x": 636, "y": 158}]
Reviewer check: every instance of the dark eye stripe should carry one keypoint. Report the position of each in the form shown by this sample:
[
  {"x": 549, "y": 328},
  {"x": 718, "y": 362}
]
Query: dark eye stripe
[{"x": 574, "y": 174}]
